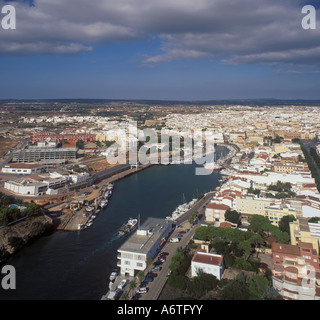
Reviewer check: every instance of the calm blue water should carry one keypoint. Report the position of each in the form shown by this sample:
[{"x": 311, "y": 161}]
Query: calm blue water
[{"x": 77, "y": 265}]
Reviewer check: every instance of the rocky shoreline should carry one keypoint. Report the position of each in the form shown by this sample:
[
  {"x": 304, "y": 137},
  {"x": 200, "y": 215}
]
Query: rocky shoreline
[{"x": 16, "y": 236}]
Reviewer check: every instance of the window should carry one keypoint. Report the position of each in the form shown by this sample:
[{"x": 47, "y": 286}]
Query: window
[{"x": 139, "y": 264}]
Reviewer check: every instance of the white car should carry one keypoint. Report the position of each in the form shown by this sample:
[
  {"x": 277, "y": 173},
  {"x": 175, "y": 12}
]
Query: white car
[
  {"x": 142, "y": 290},
  {"x": 113, "y": 276},
  {"x": 122, "y": 284}
]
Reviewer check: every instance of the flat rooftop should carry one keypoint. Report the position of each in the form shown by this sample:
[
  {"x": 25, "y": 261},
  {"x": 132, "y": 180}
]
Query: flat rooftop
[{"x": 146, "y": 236}]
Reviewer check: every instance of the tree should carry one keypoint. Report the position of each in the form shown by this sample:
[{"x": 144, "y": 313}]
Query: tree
[
  {"x": 140, "y": 276},
  {"x": 125, "y": 296},
  {"x": 257, "y": 285},
  {"x": 271, "y": 293},
  {"x": 314, "y": 220},
  {"x": 236, "y": 289},
  {"x": 258, "y": 223},
  {"x": 232, "y": 216},
  {"x": 228, "y": 260},
  {"x": 32, "y": 209},
  {"x": 176, "y": 261},
  {"x": 201, "y": 284},
  {"x": 219, "y": 246},
  {"x": 284, "y": 223},
  {"x": 193, "y": 217},
  {"x": 149, "y": 260},
  {"x": 132, "y": 285},
  {"x": 246, "y": 247}
]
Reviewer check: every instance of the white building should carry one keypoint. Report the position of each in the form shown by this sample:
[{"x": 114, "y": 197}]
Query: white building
[
  {"x": 77, "y": 177},
  {"x": 26, "y": 187},
  {"x": 145, "y": 242},
  {"x": 23, "y": 168},
  {"x": 37, "y": 184},
  {"x": 208, "y": 263}
]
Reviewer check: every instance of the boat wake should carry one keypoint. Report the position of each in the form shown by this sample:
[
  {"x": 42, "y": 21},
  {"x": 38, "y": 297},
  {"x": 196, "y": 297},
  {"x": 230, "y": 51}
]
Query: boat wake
[{"x": 107, "y": 244}]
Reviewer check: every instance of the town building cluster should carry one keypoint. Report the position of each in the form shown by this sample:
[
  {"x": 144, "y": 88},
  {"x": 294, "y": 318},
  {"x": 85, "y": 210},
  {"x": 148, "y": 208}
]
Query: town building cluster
[{"x": 268, "y": 175}]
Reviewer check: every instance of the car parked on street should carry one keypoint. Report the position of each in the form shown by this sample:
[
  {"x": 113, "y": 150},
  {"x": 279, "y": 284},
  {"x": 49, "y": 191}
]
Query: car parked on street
[
  {"x": 142, "y": 290},
  {"x": 151, "y": 275},
  {"x": 122, "y": 284},
  {"x": 156, "y": 268}
]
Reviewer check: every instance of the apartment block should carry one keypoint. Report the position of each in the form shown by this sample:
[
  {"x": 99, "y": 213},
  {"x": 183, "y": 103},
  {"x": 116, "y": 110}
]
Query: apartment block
[
  {"x": 43, "y": 154},
  {"x": 296, "y": 271},
  {"x": 145, "y": 242},
  {"x": 303, "y": 231},
  {"x": 250, "y": 204}
]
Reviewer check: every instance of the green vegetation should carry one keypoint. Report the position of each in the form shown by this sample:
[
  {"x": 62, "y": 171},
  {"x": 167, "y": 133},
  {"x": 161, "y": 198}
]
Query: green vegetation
[
  {"x": 8, "y": 215},
  {"x": 232, "y": 216},
  {"x": 284, "y": 223},
  {"x": 80, "y": 144},
  {"x": 283, "y": 190},
  {"x": 277, "y": 139},
  {"x": 193, "y": 217},
  {"x": 195, "y": 287},
  {"x": 262, "y": 226},
  {"x": 312, "y": 168},
  {"x": 254, "y": 191},
  {"x": 314, "y": 220},
  {"x": 254, "y": 287},
  {"x": 235, "y": 245}
]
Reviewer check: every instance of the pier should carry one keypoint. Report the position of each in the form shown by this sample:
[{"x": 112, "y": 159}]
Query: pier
[{"x": 71, "y": 212}]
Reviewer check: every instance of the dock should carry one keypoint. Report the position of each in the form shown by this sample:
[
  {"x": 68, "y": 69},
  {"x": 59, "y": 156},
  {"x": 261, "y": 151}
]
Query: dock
[{"x": 71, "y": 213}]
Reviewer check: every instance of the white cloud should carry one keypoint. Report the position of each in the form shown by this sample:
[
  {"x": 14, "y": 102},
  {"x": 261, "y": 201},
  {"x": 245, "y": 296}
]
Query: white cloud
[{"x": 236, "y": 31}]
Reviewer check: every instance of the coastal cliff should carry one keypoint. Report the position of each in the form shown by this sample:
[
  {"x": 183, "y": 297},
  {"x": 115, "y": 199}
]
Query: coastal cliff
[{"x": 16, "y": 236}]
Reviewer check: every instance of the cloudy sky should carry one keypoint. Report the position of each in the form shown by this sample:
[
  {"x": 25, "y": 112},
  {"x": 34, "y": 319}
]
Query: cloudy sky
[{"x": 160, "y": 49}]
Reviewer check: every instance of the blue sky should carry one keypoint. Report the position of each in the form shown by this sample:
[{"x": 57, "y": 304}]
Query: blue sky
[{"x": 151, "y": 49}]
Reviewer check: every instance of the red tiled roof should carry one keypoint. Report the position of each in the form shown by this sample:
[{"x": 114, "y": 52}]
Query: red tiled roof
[
  {"x": 285, "y": 248},
  {"x": 217, "y": 206},
  {"x": 207, "y": 258},
  {"x": 225, "y": 225}
]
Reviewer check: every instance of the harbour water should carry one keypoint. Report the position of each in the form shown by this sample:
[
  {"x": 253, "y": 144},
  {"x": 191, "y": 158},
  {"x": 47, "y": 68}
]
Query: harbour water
[{"x": 77, "y": 265}]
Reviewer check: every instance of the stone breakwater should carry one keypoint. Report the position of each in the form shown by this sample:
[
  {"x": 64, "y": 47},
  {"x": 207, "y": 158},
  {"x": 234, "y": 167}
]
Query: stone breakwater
[{"x": 15, "y": 237}]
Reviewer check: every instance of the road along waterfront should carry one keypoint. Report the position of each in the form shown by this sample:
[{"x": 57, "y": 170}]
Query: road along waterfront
[{"x": 77, "y": 265}]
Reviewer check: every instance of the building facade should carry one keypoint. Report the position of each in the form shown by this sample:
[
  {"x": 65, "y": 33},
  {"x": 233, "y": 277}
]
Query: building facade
[
  {"x": 296, "y": 271},
  {"x": 23, "y": 168},
  {"x": 208, "y": 263},
  {"x": 215, "y": 212},
  {"x": 43, "y": 154},
  {"x": 144, "y": 244},
  {"x": 303, "y": 231}
]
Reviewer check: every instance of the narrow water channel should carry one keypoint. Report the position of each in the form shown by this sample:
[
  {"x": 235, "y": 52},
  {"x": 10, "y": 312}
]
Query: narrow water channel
[{"x": 77, "y": 265}]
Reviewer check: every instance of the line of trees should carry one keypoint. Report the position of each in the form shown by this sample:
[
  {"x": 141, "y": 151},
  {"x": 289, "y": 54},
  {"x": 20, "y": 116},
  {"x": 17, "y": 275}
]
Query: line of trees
[{"x": 312, "y": 168}]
